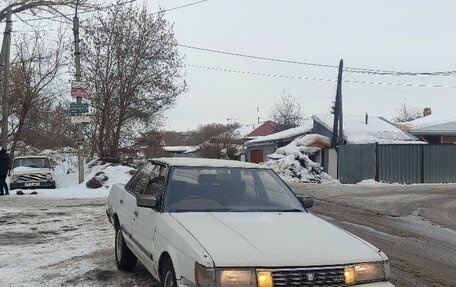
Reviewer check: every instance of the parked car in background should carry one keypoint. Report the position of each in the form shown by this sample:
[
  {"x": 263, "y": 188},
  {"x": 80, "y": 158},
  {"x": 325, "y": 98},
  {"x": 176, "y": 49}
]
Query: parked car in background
[
  {"x": 31, "y": 172},
  {"x": 201, "y": 222}
]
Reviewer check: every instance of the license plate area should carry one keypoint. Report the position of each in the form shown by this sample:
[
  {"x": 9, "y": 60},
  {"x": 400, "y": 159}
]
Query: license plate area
[{"x": 28, "y": 184}]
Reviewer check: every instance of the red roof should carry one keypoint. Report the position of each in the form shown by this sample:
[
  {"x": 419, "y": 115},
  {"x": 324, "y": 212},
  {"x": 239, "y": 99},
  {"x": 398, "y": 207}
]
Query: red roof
[{"x": 266, "y": 128}]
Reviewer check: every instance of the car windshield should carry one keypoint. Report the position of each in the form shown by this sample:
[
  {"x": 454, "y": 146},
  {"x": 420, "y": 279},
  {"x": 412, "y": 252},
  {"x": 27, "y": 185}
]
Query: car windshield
[
  {"x": 32, "y": 162},
  {"x": 192, "y": 189}
]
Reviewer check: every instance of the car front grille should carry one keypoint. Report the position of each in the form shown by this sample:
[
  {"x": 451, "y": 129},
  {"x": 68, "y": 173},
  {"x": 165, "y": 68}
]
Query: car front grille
[
  {"x": 32, "y": 177},
  {"x": 329, "y": 277}
]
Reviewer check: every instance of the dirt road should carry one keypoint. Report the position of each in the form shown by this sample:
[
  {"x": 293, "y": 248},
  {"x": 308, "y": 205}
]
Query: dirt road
[
  {"x": 69, "y": 242},
  {"x": 414, "y": 225}
]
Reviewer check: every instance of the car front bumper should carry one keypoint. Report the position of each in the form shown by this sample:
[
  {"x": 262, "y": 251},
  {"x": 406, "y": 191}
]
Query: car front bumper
[{"x": 43, "y": 184}]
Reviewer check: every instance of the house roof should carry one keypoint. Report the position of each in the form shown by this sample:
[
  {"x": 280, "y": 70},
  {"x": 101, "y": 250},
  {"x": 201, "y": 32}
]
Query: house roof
[
  {"x": 286, "y": 134},
  {"x": 181, "y": 149},
  {"x": 264, "y": 129},
  {"x": 434, "y": 124},
  {"x": 377, "y": 129}
]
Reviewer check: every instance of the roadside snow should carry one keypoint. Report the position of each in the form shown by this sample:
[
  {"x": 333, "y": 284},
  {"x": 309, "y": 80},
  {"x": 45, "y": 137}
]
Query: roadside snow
[{"x": 67, "y": 178}]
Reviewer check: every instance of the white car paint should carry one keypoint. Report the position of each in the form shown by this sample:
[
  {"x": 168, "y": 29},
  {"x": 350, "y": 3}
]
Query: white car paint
[
  {"x": 257, "y": 238},
  {"x": 234, "y": 239}
]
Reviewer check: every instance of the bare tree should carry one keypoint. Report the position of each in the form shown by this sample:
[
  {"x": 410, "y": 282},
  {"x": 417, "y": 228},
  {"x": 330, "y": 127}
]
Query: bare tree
[
  {"x": 36, "y": 6},
  {"x": 35, "y": 67},
  {"x": 287, "y": 112},
  {"x": 212, "y": 138},
  {"x": 135, "y": 68},
  {"x": 406, "y": 113}
]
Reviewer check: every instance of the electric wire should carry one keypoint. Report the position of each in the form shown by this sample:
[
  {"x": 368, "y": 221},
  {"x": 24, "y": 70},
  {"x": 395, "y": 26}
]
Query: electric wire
[
  {"x": 321, "y": 79},
  {"x": 347, "y": 69}
]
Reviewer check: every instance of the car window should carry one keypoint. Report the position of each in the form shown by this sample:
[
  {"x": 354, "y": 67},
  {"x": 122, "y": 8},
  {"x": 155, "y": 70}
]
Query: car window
[
  {"x": 32, "y": 162},
  {"x": 227, "y": 189},
  {"x": 141, "y": 180},
  {"x": 156, "y": 183}
]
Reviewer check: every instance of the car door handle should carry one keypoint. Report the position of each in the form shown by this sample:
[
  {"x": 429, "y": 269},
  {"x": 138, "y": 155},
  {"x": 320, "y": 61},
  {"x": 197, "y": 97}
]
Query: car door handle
[
  {"x": 121, "y": 201},
  {"x": 136, "y": 213}
]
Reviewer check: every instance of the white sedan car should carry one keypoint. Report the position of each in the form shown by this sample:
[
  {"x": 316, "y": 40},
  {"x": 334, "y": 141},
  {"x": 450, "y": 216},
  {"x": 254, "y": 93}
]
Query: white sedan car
[{"x": 216, "y": 223}]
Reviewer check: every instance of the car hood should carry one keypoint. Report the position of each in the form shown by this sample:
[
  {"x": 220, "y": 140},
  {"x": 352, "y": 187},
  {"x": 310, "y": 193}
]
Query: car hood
[{"x": 273, "y": 239}]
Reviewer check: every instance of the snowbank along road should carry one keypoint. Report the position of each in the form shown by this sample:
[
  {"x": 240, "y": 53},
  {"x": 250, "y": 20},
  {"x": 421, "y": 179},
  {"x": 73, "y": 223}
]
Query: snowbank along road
[{"x": 69, "y": 242}]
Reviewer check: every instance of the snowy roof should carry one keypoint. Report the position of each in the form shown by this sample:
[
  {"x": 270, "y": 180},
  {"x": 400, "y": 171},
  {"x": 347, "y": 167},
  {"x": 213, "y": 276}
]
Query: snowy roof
[
  {"x": 433, "y": 124},
  {"x": 286, "y": 134},
  {"x": 31, "y": 156},
  {"x": 206, "y": 162},
  {"x": 377, "y": 129},
  {"x": 245, "y": 130},
  {"x": 181, "y": 149}
]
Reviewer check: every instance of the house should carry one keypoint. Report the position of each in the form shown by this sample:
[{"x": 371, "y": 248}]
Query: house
[
  {"x": 433, "y": 128},
  {"x": 256, "y": 150},
  {"x": 360, "y": 129},
  {"x": 253, "y": 131},
  {"x": 182, "y": 151}
]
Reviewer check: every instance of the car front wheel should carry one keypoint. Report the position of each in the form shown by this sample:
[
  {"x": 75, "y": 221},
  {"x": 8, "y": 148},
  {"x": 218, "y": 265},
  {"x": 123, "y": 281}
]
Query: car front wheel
[
  {"x": 125, "y": 259},
  {"x": 168, "y": 278}
]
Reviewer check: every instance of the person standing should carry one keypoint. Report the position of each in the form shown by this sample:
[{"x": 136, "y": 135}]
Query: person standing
[{"x": 4, "y": 167}]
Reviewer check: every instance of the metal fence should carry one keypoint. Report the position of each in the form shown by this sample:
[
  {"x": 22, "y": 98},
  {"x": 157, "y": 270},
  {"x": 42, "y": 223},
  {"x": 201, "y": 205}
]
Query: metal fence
[{"x": 402, "y": 163}]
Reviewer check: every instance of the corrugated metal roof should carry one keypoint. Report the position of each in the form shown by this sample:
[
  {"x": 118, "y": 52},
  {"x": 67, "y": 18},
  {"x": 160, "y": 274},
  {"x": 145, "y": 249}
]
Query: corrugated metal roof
[{"x": 448, "y": 128}]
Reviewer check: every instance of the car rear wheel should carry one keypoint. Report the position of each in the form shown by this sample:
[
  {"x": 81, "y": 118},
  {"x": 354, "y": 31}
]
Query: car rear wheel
[
  {"x": 168, "y": 278},
  {"x": 125, "y": 259}
]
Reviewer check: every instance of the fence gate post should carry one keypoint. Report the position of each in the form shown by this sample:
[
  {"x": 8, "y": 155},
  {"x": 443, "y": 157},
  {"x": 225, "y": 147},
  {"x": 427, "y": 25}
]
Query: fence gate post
[{"x": 377, "y": 175}]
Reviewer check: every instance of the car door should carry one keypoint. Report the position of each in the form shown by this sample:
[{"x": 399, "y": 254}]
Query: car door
[
  {"x": 145, "y": 222},
  {"x": 127, "y": 200}
]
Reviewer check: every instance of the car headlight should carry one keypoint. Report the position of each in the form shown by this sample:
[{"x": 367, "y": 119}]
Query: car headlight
[
  {"x": 14, "y": 178},
  {"x": 49, "y": 176},
  {"x": 226, "y": 277},
  {"x": 367, "y": 272}
]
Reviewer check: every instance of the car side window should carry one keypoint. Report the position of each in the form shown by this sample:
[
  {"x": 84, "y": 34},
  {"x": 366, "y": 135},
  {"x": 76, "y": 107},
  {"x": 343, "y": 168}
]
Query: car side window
[
  {"x": 141, "y": 180},
  {"x": 156, "y": 182}
]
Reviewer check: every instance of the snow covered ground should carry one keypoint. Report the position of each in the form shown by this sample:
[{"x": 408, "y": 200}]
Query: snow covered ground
[{"x": 62, "y": 237}]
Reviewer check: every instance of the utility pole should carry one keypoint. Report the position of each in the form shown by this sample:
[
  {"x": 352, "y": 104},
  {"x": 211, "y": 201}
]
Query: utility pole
[
  {"x": 5, "y": 62},
  {"x": 339, "y": 94},
  {"x": 338, "y": 128},
  {"x": 77, "y": 55}
]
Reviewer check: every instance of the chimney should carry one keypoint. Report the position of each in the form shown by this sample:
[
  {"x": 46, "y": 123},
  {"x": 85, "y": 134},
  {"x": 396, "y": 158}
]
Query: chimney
[
  {"x": 367, "y": 118},
  {"x": 426, "y": 112}
]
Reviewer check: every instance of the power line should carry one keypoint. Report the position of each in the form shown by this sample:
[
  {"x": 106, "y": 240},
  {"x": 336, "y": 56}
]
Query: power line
[
  {"x": 321, "y": 79},
  {"x": 347, "y": 69},
  {"x": 182, "y": 6},
  {"x": 109, "y": 7}
]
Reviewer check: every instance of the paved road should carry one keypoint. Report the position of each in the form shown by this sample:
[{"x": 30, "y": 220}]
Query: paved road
[
  {"x": 69, "y": 242},
  {"x": 414, "y": 225}
]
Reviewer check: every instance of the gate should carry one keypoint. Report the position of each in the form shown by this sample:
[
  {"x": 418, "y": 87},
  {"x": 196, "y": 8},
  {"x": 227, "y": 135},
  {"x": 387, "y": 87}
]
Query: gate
[{"x": 356, "y": 163}]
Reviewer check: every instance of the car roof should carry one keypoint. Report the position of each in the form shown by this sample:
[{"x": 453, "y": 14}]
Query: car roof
[
  {"x": 31, "y": 156},
  {"x": 206, "y": 162}
]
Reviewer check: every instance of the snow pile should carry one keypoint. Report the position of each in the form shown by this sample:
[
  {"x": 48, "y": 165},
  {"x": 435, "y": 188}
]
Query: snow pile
[{"x": 293, "y": 162}]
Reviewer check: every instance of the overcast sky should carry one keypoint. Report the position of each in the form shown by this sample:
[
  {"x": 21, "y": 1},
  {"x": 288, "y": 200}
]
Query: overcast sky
[
  {"x": 401, "y": 35},
  {"x": 406, "y": 35}
]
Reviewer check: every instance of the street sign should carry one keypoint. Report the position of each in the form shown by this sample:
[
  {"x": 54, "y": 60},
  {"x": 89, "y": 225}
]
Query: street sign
[
  {"x": 79, "y": 93},
  {"x": 80, "y": 119},
  {"x": 77, "y": 108},
  {"x": 79, "y": 89}
]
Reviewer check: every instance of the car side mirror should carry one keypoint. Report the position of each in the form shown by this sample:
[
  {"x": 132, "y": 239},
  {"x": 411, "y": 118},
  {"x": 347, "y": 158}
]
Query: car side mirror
[
  {"x": 146, "y": 200},
  {"x": 306, "y": 201}
]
